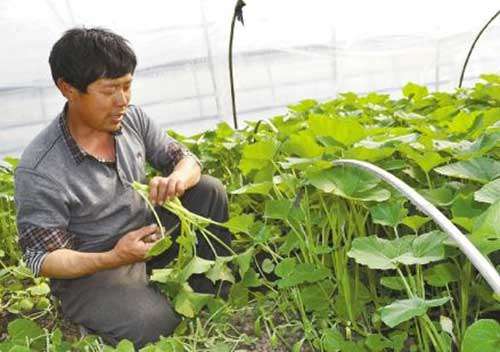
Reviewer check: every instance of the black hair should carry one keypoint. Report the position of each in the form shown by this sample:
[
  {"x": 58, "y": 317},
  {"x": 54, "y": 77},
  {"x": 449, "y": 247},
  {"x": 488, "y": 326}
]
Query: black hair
[{"x": 82, "y": 56}]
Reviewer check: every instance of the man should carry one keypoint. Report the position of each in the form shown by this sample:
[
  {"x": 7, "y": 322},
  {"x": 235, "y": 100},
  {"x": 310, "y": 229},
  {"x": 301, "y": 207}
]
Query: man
[{"x": 80, "y": 222}]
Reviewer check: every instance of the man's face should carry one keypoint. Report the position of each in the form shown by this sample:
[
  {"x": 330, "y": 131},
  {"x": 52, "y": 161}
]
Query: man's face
[{"x": 104, "y": 104}]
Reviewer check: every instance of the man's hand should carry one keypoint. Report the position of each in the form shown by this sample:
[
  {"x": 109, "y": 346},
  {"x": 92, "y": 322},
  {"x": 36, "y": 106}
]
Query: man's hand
[
  {"x": 131, "y": 248},
  {"x": 165, "y": 188}
]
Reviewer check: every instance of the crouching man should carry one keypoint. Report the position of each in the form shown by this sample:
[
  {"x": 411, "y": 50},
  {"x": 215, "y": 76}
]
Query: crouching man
[{"x": 80, "y": 222}]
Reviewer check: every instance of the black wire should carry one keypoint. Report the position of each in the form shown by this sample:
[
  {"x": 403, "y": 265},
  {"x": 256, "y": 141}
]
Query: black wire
[
  {"x": 238, "y": 14},
  {"x": 472, "y": 48}
]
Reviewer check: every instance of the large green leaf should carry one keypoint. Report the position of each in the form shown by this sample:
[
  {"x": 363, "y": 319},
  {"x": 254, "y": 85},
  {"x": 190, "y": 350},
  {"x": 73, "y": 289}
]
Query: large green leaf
[
  {"x": 23, "y": 330},
  {"x": 344, "y": 130},
  {"x": 197, "y": 265},
  {"x": 302, "y": 273},
  {"x": 415, "y": 221},
  {"x": 405, "y": 309},
  {"x": 388, "y": 214},
  {"x": 441, "y": 275},
  {"x": 220, "y": 271},
  {"x": 350, "y": 183},
  {"x": 482, "y": 169},
  {"x": 277, "y": 208},
  {"x": 482, "y": 336},
  {"x": 189, "y": 303},
  {"x": 240, "y": 223},
  {"x": 415, "y": 91},
  {"x": 379, "y": 253},
  {"x": 488, "y": 223},
  {"x": 490, "y": 193},
  {"x": 303, "y": 144},
  {"x": 486, "y": 230},
  {"x": 255, "y": 155}
]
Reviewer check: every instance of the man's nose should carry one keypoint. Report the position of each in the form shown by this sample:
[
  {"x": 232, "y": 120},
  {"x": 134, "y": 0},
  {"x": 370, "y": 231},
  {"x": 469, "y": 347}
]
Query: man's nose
[{"x": 121, "y": 98}]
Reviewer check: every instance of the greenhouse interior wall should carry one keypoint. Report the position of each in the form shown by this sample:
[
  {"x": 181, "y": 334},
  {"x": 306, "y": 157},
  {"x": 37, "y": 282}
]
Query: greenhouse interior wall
[{"x": 285, "y": 52}]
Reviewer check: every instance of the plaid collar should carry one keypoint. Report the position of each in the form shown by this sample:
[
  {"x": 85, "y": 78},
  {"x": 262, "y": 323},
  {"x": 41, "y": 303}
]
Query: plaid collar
[{"x": 77, "y": 153}]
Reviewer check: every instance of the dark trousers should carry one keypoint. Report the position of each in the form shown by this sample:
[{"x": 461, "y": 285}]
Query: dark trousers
[{"x": 120, "y": 303}]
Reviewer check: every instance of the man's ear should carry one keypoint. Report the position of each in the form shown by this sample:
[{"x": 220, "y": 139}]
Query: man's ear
[{"x": 66, "y": 89}]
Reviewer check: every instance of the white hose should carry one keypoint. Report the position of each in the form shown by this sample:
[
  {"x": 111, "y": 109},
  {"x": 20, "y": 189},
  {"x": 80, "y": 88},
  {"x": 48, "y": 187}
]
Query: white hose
[{"x": 485, "y": 268}]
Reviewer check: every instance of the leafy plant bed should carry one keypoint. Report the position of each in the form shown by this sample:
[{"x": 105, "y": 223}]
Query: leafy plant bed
[{"x": 328, "y": 257}]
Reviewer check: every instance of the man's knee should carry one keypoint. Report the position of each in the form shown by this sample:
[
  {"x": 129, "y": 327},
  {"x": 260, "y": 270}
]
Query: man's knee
[
  {"x": 210, "y": 185},
  {"x": 149, "y": 324}
]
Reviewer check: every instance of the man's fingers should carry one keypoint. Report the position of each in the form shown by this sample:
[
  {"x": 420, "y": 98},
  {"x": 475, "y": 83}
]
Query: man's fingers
[
  {"x": 180, "y": 189},
  {"x": 171, "y": 191},
  {"x": 153, "y": 189},
  {"x": 162, "y": 191},
  {"x": 144, "y": 231}
]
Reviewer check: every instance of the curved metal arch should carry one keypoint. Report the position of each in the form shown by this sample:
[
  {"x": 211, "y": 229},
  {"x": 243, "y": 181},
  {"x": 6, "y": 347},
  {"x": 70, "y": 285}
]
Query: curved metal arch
[{"x": 480, "y": 262}]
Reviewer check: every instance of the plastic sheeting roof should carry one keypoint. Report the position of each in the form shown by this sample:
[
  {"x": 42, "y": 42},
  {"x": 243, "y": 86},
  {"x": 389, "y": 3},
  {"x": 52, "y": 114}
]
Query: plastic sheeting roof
[{"x": 288, "y": 50}]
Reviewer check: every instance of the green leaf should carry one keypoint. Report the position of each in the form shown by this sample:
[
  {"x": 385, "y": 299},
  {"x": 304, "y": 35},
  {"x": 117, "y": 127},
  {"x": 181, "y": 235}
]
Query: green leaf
[
  {"x": 348, "y": 182},
  {"x": 304, "y": 272},
  {"x": 488, "y": 222},
  {"x": 125, "y": 346},
  {"x": 197, "y": 265},
  {"x": 377, "y": 342},
  {"x": 490, "y": 78},
  {"x": 255, "y": 188},
  {"x": 220, "y": 272},
  {"x": 464, "y": 206},
  {"x": 317, "y": 297},
  {"x": 277, "y": 208},
  {"x": 238, "y": 295},
  {"x": 427, "y": 160},
  {"x": 162, "y": 275},
  {"x": 303, "y": 145},
  {"x": 393, "y": 282},
  {"x": 160, "y": 246},
  {"x": 257, "y": 154},
  {"x": 490, "y": 193},
  {"x": 415, "y": 91},
  {"x": 285, "y": 267},
  {"x": 482, "y": 169},
  {"x": 267, "y": 266},
  {"x": 388, "y": 214},
  {"x": 441, "y": 275},
  {"x": 379, "y": 253},
  {"x": 41, "y": 289},
  {"x": 344, "y": 130},
  {"x": 442, "y": 196},
  {"x": 426, "y": 248},
  {"x": 20, "y": 330},
  {"x": 482, "y": 336},
  {"x": 304, "y": 105},
  {"x": 240, "y": 223},
  {"x": 415, "y": 221},
  {"x": 398, "y": 339},
  {"x": 461, "y": 122},
  {"x": 244, "y": 259},
  {"x": 190, "y": 303},
  {"x": 251, "y": 279},
  {"x": 369, "y": 154},
  {"x": 486, "y": 232},
  {"x": 403, "y": 310}
]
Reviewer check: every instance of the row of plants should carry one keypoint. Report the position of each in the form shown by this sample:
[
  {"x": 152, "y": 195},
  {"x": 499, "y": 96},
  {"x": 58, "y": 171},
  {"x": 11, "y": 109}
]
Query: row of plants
[{"x": 327, "y": 257}]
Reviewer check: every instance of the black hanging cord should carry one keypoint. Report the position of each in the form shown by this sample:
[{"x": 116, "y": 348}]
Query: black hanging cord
[
  {"x": 472, "y": 48},
  {"x": 238, "y": 14}
]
